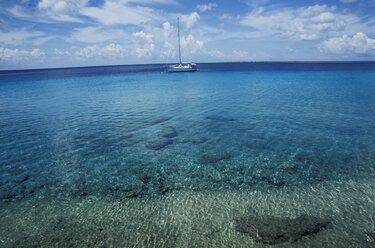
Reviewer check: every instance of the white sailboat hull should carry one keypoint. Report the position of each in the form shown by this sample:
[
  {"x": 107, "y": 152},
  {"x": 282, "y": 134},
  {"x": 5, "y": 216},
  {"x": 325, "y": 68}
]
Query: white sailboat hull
[{"x": 182, "y": 68}]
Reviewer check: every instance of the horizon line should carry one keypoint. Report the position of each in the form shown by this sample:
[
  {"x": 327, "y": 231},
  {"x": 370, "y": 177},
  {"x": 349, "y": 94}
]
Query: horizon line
[{"x": 209, "y": 62}]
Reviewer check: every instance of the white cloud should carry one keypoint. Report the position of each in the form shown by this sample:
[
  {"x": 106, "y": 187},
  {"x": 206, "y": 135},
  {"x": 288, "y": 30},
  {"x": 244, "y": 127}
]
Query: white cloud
[
  {"x": 206, "y": 7},
  {"x": 143, "y": 35},
  {"x": 61, "y": 53},
  {"x": 306, "y": 23},
  {"x": 19, "y": 55},
  {"x": 193, "y": 47},
  {"x": 167, "y": 30},
  {"x": 167, "y": 38},
  {"x": 144, "y": 44},
  {"x": 18, "y": 37},
  {"x": 239, "y": 53},
  {"x": 306, "y": 36},
  {"x": 225, "y": 17},
  {"x": 112, "y": 51},
  {"x": 97, "y": 35},
  {"x": 190, "y": 20},
  {"x": 190, "y": 44},
  {"x": 119, "y": 12},
  {"x": 51, "y": 10},
  {"x": 346, "y": 45},
  {"x": 215, "y": 53},
  {"x": 314, "y": 10},
  {"x": 324, "y": 17},
  {"x": 111, "y": 12},
  {"x": 59, "y": 7}
]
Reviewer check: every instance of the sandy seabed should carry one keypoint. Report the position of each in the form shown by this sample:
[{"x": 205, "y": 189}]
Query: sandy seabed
[{"x": 190, "y": 218}]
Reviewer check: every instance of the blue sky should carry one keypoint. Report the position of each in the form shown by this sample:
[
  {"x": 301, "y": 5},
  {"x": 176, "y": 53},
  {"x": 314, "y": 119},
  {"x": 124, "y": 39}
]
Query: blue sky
[{"x": 56, "y": 33}]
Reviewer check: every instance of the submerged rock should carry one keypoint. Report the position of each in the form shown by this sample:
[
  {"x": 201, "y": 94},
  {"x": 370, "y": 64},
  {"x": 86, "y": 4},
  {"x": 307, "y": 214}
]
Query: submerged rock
[
  {"x": 21, "y": 178},
  {"x": 135, "y": 189},
  {"x": 274, "y": 230},
  {"x": 307, "y": 157},
  {"x": 318, "y": 178},
  {"x": 287, "y": 166},
  {"x": 159, "y": 185},
  {"x": 7, "y": 195},
  {"x": 218, "y": 118},
  {"x": 158, "y": 120},
  {"x": 276, "y": 181},
  {"x": 169, "y": 132},
  {"x": 215, "y": 157},
  {"x": 194, "y": 140},
  {"x": 159, "y": 144},
  {"x": 131, "y": 194}
]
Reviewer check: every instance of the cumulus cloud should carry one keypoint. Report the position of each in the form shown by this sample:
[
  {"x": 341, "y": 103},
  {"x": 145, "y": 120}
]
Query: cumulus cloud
[
  {"x": 206, "y": 7},
  {"x": 305, "y": 23},
  {"x": 143, "y": 35},
  {"x": 167, "y": 38},
  {"x": 112, "y": 50},
  {"x": 346, "y": 45},
  {"x": 19, "y": 55},
  {"x": 190, "y": 20},
  {"x": 144, "y": 44},
  {"x": 167, "y": 30},
  {"x": 190, "y": 44}
]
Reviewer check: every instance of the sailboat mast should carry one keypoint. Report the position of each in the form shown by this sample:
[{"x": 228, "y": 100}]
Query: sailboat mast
[{"x": 179, "y": 46}]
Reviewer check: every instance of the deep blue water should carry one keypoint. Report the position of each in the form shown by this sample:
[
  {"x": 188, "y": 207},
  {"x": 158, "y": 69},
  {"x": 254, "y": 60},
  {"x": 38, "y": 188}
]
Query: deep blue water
[{"x": 133, "y": 131}]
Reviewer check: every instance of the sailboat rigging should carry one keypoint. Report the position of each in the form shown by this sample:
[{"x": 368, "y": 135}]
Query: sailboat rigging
[{"x": 181, "y": 67}]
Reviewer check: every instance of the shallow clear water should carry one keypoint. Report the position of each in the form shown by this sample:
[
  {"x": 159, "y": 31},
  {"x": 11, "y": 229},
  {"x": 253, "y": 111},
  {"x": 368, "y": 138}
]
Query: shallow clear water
[{"x": 142, "y": 136}]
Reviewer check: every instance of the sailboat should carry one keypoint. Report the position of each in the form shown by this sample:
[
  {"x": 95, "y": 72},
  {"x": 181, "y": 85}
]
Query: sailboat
[{"x": 181, "y": 67}]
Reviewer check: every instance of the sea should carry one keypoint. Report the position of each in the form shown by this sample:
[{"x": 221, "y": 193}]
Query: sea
[{"x": 261, "y": 154}]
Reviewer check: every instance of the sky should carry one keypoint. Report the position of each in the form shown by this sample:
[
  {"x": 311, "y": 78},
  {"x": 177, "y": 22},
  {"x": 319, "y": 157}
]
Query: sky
[{"x": 70, "y": 33}]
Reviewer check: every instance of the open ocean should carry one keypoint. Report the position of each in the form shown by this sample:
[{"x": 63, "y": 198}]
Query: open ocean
[{"x": 234, "y": 155}]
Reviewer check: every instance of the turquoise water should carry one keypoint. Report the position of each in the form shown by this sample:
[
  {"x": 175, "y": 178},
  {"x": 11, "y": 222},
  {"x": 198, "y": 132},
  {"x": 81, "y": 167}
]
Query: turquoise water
[{"x": 125, "y": 136}]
